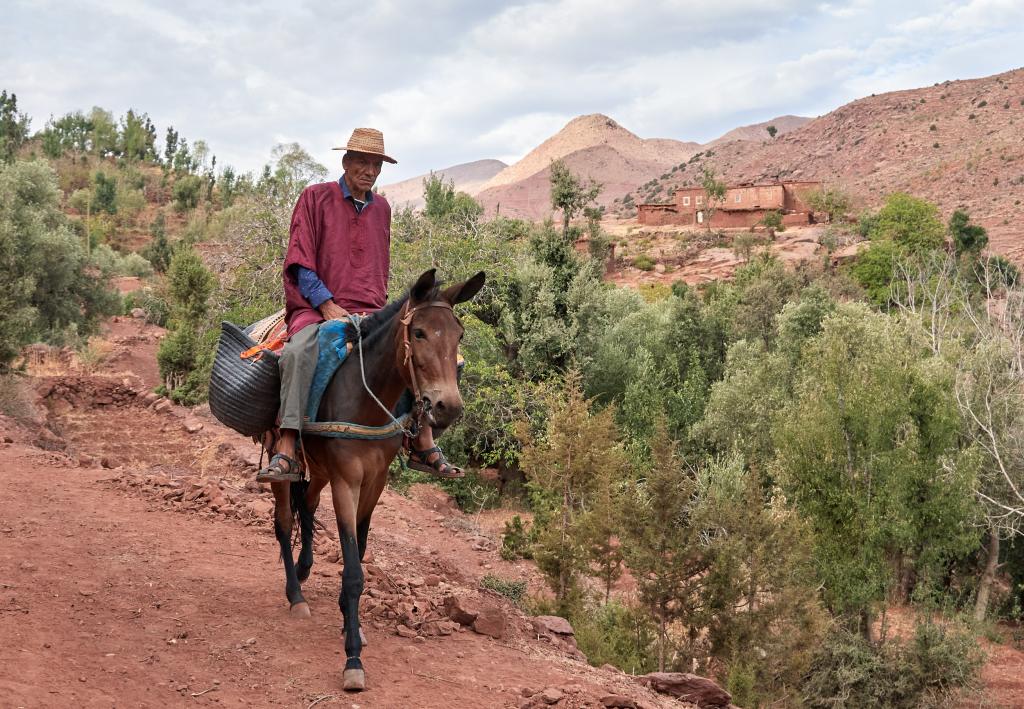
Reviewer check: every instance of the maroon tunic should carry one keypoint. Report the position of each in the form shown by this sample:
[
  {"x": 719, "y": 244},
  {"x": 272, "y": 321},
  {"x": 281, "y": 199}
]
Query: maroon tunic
[{"x": 348, "y": 250}]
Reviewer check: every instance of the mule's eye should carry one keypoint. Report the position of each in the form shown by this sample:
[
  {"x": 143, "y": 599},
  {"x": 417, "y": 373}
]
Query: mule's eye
[{"x": 419, "y": 334}]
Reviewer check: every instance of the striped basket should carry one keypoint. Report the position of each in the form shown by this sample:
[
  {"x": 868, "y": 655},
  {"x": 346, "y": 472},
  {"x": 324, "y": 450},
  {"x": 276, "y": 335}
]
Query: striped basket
[{"x": 244, "y": 393}]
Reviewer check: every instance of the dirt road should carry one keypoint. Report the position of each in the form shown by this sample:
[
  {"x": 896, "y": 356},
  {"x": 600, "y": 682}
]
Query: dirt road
[{"x": 109, "y": 601}]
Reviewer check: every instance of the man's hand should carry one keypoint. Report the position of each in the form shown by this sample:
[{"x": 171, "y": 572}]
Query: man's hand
[{"x": 332, "y": 311}]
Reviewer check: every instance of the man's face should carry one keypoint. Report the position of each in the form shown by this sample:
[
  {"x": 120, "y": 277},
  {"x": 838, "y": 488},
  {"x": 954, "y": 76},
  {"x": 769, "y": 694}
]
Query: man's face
[{"x": 361, "y": 170}]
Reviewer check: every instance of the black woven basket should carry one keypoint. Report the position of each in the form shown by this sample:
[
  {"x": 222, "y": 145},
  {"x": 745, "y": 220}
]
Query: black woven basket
[{"x": 244, "y": 393}]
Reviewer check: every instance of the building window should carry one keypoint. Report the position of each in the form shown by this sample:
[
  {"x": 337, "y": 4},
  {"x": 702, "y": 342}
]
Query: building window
[
  {"x": 700, "y": 200},
  {"x": 739, "y": 197},
  {"x": 686, "y": 201}
]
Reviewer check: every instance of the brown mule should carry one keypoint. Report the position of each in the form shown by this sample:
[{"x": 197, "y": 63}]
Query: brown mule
[{"x": 409, "y": 345}]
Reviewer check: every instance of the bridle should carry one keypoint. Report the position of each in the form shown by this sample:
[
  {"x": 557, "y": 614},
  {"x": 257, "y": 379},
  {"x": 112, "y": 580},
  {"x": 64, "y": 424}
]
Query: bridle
[
  {"x": 421, "y": 406},
  {"x": 406, "y": 321}
]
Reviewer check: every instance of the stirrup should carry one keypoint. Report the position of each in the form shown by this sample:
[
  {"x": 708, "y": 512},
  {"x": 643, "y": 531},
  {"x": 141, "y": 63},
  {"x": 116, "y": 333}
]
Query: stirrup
[{"x": 274, "y": 473}]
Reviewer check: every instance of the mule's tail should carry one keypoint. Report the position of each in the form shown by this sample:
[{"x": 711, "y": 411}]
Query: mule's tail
[{"x": 297, "y": 494}]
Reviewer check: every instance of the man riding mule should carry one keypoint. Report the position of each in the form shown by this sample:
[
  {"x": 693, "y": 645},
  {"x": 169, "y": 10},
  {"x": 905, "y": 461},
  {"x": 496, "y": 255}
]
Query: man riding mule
[
  {"x": 336, "y": 264},
  {"x": 402, "y": 383},
  {"x": 411, "y": 345}
]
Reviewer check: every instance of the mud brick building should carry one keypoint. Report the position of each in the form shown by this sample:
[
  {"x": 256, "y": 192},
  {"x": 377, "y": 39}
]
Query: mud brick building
[{"x": 742, "y": 207}]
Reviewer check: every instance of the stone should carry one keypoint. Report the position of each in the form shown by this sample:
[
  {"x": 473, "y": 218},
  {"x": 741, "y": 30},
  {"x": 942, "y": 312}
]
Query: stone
[
  {"x": 553, "y": 624},
  {"x": 687, "y": 687},
  {"x": 461, "y": 610},
  {"x": 431, "y": 580},
  {"x": 491, "y": 622},
  {"x": 161, "y": 406},
  {"x": 138, "y": 313},
  {"x": 552, "y": 695},
  {"x": 617, "y": 701},
  {"x": 405, "y": 631},
  {"x": 528, "y": 691},
  {"x": 108, "y": 463},
  {"x": 149, "y": 397},
  {"x": 260, "y": 508},
  {"x": 192, "y": 425},
  {"x": 85, "y": 460}
]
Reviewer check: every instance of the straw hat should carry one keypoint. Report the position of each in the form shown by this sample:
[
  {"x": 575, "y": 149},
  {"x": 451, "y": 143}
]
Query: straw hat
[{"x": 367, "y": 140}]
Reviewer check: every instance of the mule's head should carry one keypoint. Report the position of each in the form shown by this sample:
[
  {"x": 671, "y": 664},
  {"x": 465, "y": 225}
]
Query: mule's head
[{"x": 434, "y": 333}]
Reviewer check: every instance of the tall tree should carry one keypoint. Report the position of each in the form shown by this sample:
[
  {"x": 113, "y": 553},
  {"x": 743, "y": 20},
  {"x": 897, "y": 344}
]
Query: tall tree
[
  {"x": 661, "y": 541},
  {"x": 570, "y": 194},
  {"x": 13, "y": 127},
  {"x": 565, "y": 469},
  {"x": 861, "y": 449}
]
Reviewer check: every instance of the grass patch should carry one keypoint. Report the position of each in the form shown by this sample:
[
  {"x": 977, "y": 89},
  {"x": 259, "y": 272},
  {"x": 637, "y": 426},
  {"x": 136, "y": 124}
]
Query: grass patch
[{"x": 511, "y": 589}]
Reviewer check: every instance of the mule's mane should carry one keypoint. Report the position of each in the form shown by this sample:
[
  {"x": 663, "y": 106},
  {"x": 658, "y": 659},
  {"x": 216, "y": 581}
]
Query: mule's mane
[{"x": 372, "y": 326}]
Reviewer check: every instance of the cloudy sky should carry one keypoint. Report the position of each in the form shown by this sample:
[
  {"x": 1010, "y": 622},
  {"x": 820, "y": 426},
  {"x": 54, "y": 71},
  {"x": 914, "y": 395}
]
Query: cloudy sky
[{"x": 455, "y": 80}]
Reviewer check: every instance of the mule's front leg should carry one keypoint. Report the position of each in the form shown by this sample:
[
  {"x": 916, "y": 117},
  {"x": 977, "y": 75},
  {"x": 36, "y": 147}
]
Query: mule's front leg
[
  {"x": 283, "y": 531},
  {"x": 348, "y": 600},
  {"x": 345, "y": 500}
]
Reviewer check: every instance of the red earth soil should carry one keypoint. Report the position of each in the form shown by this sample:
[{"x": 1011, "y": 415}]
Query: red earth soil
[
  {"x": 138, "y": 568},
  {"x": 117, "y": 589}
]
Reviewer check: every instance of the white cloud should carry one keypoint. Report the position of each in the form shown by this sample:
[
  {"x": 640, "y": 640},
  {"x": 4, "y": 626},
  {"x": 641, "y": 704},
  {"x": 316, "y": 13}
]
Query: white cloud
[{"x": 457, "y": 80}]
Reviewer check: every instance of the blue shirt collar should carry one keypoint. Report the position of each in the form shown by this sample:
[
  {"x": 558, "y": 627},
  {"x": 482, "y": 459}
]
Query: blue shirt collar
[{"x": 347, "y": 193}]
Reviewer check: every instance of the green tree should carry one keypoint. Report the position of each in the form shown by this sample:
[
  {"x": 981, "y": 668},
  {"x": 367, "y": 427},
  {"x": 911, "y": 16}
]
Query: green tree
[
  {"x": 772, "y": 131},
  {"x": 714, "y": 193},
  {"x": 875, "y": 269},
  {"x": 51, "y": 291},
  {"x": 13, "y": 127},
  {"x": 182, "y": 356},
  {"x": 188, "y": 190},
  {"x": 104, "y": 137},
  {"x": 832, "y": 201},
  {"x": 570, "y": 194},
  {"x": 967, "y": 238},
  {"x": 772, "y": 222},
  {"x": 661, "y": 542},
  {"x": 158, "y": 250},
  {"x": 104, "y": 193},
  {"x": 443, "y": 203},
  {"x": 911, "y": 222},
  {"x": 170, "y": 146},
  {"x": 565, "y": 468},
  {"x": 70, "y": 133},
  {"x": 861, "y": 452},
  {"x": 137, "y": 136}
]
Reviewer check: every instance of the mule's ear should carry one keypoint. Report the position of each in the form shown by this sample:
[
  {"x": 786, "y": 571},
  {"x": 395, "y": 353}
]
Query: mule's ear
[
  {"x": 423, "y": 285},
  {"x": 461, "y": 292}
]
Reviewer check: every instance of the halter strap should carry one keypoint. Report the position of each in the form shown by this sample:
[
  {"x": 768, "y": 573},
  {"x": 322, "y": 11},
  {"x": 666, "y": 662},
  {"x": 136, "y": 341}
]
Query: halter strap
[{"x": 406, "y": 321}]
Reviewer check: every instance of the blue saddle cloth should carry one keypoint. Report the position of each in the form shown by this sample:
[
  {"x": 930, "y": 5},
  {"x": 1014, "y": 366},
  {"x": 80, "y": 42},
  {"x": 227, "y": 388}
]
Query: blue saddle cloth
[{"x": 332, "y": 353}]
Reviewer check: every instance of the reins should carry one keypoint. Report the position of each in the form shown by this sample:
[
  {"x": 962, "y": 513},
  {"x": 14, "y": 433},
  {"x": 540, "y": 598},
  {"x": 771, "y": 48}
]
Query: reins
[{"x": 344, "y": 429}]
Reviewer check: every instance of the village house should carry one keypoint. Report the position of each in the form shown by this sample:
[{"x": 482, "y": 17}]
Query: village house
[{"x": 743, "y": 206}]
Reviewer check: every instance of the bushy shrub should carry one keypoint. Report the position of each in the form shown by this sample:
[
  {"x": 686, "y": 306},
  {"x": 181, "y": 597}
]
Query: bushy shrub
[
  {"x": 187, "y": 191},
  {"x": 158, "y": 310},
  {"x": 851, "y": 672},
  {"x": 516, "y": 540},
  {"x": 618, "y": 635},
  {"x": 509, "y": 588},
  {"x": 643, "y": 262},
  {"x": 472, "y": 493}
]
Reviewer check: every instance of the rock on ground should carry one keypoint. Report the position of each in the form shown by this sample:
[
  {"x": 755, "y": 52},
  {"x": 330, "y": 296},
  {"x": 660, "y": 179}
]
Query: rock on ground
[{"x": 691, "y": 688}]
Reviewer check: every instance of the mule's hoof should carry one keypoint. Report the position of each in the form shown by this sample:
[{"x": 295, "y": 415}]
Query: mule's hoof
[
  {"x": 300, "y": 610},
  {"x": 354, "y": 681},
  {"x": 362, "y": 637}
]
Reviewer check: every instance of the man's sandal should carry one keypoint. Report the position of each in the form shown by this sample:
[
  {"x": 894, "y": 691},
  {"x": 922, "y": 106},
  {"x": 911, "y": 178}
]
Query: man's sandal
[
  {"x": 432, "y": 461},
  {"x": 275, "y": 472}
]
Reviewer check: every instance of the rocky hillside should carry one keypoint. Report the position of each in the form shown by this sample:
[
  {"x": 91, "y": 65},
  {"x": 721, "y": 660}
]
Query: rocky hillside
[
  {"x": 593, "y": 146},
  {"x": 759, "y": 131},
  {"x": 468, "y": 177},
  {"x": 958, "y": 143}
]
